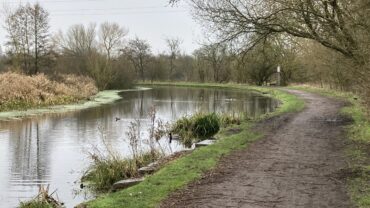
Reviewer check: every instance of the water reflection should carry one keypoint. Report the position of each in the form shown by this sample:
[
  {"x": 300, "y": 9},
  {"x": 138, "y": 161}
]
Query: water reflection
[{"x": 51, "y": 149}]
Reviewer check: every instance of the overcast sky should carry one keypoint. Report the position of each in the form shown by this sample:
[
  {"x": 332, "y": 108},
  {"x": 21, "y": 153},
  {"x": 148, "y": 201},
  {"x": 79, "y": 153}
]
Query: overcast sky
[{"x": 153, "y": 20}]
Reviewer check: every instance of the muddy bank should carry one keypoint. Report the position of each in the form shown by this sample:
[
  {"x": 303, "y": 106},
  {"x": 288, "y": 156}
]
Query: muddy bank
[{"x": 296, "y": 164}]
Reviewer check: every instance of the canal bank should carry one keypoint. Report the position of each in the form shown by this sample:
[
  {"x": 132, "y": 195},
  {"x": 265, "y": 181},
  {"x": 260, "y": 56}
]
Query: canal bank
[
  {"x": 103, "y": 97},
  {"x": 192, "y": 167},
  {"x": 53, "y": 148}
]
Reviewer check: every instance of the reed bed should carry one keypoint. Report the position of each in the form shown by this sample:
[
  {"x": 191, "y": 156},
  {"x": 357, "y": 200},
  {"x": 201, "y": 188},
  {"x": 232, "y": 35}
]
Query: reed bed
[{"x": 19, "y": 91}]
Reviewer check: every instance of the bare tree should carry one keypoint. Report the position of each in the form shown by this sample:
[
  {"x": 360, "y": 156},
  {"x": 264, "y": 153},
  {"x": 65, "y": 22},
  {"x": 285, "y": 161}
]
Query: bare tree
[
  {"x": 173, "y": 45},
  {"x": 261, "y": 62},
  {"x": 216, "y": 56},
  {"x": 79, "y": 40},
  {"x": 173, "y": 2},
  {"x": 138, "y": 51},
  {"x": 200, "y": 65},
  {"x": 111, "y": 37},
  {"x": 40, "y": 23},
  {"x": 28, "y": 33},
  {"x": 329, "y": 22}
]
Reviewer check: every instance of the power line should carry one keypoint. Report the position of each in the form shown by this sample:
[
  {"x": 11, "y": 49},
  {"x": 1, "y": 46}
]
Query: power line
[
  {"x": 118, "y": 13},
  {"x": 112, "y": 9},
  {"x": 48, "y": 2},
  {"x": 107, "y": 11}
]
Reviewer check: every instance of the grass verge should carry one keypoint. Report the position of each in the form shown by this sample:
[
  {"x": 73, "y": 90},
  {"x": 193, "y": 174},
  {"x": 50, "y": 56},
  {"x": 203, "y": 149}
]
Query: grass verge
[
  {"x": 358, "y": 150},
  {"x": 183, "y": 171}
]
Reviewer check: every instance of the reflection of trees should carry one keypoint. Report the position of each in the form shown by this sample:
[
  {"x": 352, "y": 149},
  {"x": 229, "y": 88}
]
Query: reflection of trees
[
  {"x": 215, "y": 97},
  {"x": 141, "y": 100},
  {"x": 31, "y": 147},
  {"x": 31, "y": 152}
]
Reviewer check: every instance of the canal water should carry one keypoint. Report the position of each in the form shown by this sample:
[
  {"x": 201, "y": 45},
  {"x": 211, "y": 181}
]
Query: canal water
[{"x": 53, "y": 149}]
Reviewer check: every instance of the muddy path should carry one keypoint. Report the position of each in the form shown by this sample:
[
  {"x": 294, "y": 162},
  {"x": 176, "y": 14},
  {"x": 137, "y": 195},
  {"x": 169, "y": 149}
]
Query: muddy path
[{"x": 296, "y": 164}]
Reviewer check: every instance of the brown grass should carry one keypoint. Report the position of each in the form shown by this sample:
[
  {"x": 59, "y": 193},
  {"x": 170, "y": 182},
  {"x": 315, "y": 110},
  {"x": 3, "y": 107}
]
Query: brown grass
[{"x": 18, "y": 91}]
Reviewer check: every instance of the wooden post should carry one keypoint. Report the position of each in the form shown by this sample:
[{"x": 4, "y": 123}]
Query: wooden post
[{"x": 278, "y": 76}]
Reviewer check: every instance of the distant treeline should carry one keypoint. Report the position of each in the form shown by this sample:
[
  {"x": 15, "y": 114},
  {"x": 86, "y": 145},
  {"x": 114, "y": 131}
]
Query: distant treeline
[
  {"x": 320, "y": 42},
  {"x": 104, "y": 53}
]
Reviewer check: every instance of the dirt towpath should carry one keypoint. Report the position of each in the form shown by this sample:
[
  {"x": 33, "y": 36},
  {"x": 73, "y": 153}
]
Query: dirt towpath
[{"x": 296, "y": 164}]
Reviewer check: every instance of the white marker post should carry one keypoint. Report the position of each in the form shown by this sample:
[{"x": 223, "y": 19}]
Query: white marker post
[{"x": 278, "y": 76}]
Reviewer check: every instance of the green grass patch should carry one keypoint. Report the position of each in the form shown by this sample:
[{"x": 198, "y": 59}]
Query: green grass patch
[
  {"x": 177, "y": 174},
  {"x": 358, "y": 149},
  {"x": 35, "y": 204}
]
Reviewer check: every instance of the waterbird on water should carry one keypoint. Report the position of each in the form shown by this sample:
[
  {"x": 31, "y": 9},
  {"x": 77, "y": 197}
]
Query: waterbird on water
[{"x": 170, "y": 135}]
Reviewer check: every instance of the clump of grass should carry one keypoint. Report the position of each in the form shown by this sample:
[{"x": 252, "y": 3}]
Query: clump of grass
[
  {"x": 20, "y": 91},
  {"x": 205, "y": 126},
  {"x": 105, "y": 171},
  {"x": 228, "y": 119},
  {"x": 108, "y": 166},
  {"x": 196, "y": 128},
  {"x": 183, "y": 127},
  {"x": 34, "y": 204},
  {"x": 42, "y": 200}
]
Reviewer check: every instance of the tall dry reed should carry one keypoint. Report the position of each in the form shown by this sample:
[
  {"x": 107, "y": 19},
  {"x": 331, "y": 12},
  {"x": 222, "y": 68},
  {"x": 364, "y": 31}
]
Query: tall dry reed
[{"x": 19, "y": 91}]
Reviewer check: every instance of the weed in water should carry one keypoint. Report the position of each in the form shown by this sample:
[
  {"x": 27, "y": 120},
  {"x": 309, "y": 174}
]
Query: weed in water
[{"x": 42, "y": 200}]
